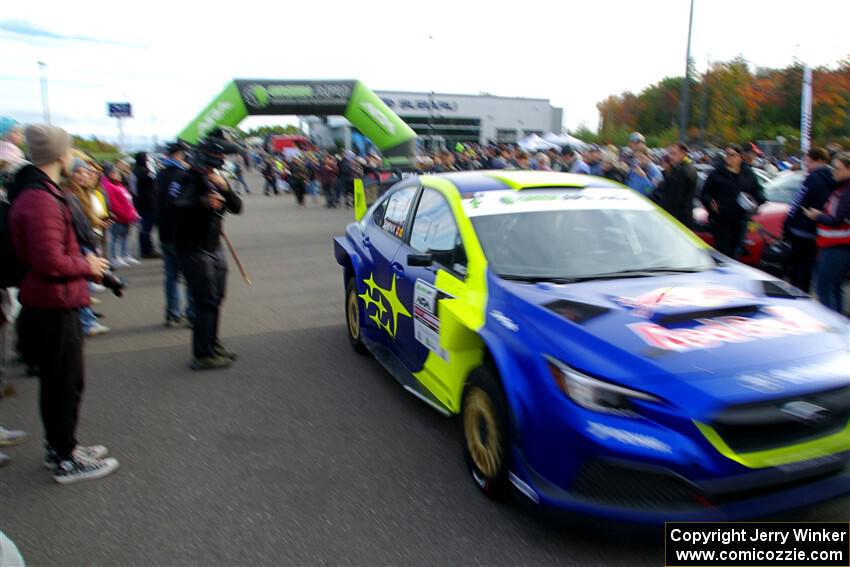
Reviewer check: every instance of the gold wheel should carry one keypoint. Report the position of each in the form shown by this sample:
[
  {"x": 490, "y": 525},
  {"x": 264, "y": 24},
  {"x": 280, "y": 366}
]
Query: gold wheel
[
  {"x": 353, "y": 316},
  {"x": 481, "y": 429}
]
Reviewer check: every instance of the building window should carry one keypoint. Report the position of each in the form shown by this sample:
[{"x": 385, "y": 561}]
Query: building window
[
  {"x": 504, "y": 136},
  {"x": 451, "y": 129}
]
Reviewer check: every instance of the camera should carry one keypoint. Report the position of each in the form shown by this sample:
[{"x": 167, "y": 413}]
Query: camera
[
  {"x": 210, "y": 152},
  {"x": 113, "y": 283}
]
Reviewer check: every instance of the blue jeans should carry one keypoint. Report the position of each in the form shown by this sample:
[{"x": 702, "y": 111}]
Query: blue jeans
[
  {"x": 87, "y": 318},
  {"x": 833, "y": 267},
  {"x": 172, "y": 278},
  {"x": 118, "y": 240},
  {"x": 241, "y": 181}
]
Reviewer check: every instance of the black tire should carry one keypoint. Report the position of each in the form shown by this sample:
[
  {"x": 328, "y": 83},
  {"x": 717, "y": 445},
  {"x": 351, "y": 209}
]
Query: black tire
[
  {"x": 352, "y": 318},
  {"x": 485, "y": 430}
]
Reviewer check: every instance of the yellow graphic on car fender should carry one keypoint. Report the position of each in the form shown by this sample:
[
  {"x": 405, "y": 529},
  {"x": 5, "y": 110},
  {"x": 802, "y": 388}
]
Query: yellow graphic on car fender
[{"x": 386, "y": 302}]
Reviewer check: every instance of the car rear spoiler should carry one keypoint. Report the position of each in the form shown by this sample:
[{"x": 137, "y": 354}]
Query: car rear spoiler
[{"x": 359, "y": 199}]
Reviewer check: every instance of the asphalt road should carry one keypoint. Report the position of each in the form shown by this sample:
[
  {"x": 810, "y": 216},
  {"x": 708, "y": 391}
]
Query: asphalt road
[{"x": 302, "y": 453}]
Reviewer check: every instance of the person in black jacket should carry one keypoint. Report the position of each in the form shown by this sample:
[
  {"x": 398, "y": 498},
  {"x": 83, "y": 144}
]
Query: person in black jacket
[
  {"x": 145, "y": 203},
  {"x": 298, "y": 179},
  {"x": 169, "y": 182},
  {"x": 799, "y": 230},
  {"x": 203, "y": 198},
  {"x": 676, "y": 192},
  {"x": 731, "y": 194}
]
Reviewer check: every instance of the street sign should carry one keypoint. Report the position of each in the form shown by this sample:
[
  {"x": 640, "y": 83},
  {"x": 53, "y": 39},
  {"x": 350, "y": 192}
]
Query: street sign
[{"x": 119, "y": 109}]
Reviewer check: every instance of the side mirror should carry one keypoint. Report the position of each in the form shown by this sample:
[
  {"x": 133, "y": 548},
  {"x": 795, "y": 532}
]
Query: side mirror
[{"x": 422, "y": 260}]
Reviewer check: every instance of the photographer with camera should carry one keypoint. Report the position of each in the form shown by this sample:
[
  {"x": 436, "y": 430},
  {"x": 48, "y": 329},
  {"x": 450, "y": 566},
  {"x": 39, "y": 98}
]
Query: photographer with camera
[
  {"x": 84, "y": 219},
  {"x": 731, "y": 195},
  {"x": 644, "y": 176},
  {"x": 203, "y": 198}
]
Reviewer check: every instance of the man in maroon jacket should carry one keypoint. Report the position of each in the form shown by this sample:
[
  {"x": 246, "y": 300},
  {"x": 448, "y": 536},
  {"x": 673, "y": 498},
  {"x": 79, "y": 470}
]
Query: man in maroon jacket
[{"x": 52, "y": 292}]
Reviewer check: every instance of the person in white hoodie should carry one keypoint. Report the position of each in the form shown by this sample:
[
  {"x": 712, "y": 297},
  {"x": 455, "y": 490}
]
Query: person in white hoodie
[
  {"x": 11, "y": 159},
  {"x": 11, "y": 137}
]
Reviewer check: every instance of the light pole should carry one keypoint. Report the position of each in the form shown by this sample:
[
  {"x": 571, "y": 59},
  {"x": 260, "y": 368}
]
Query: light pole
[
  {"x": 45, "y": 106},
  {"x": 686, "y": 87},
  {"x": 431, "y": 120}
]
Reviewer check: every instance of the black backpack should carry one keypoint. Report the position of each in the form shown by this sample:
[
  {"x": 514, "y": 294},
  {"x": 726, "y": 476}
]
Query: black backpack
[{"x": 12, "y": 270}]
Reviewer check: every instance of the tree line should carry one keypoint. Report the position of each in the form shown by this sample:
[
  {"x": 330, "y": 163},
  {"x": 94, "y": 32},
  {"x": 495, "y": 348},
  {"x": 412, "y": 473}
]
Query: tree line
[{"x": 732, "y": 101}]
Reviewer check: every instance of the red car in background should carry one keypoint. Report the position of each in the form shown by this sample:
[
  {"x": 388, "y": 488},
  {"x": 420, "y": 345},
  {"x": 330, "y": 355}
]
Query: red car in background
[{"x": 765, "y": 227}]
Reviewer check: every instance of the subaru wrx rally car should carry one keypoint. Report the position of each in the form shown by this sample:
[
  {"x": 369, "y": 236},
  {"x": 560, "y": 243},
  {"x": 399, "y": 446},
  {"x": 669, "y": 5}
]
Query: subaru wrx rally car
[{"x": 601, "y": 357}]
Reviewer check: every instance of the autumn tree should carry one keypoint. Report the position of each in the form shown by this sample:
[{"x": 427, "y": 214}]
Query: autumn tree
[{"x": 731, "y": 101}]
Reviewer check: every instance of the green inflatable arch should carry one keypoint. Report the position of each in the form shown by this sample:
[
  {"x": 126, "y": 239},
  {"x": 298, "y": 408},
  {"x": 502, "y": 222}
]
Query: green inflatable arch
[{"x": 352, "y": 99}]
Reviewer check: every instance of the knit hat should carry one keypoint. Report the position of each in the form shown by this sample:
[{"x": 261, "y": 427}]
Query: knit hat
[
  {"x": 46, "y": 144},
  {"x": 7, "y": 125}
]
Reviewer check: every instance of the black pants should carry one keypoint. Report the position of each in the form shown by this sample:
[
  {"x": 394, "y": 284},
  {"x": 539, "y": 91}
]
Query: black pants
[
  {"x": 52, "y": 339},
  {"x": 206, "y": 276},
  {"x": 729, "y": 236},
  {"x": 298, "y": 189},
  {"x": 145, "y": 241},
  {"x": 801, "y": 261},
  {"x": 329, "y": 189}
]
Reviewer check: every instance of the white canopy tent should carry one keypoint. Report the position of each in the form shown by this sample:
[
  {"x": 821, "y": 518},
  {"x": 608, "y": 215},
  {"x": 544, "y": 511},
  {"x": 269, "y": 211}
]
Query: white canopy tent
[
  {"x": 565, "y": 140},
  {"x": 535, "y": 143}
]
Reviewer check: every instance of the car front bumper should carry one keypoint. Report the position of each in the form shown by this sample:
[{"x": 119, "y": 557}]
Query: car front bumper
[{"x": 633, "y": 492}]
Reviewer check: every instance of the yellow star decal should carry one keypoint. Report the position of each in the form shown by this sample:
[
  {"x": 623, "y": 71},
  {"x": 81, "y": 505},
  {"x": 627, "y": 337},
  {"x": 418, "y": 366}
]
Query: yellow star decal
[
  {"x": 370, "y": 283},
  {"x": 367, "y": 301},
  {"x": 395, "y": 305},
  {"x": 382, "y": 309},
  {"x": 387, "y": 299}
]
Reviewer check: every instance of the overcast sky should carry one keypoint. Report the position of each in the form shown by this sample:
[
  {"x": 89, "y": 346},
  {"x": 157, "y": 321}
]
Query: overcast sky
[{"x": 169, "y": 59}]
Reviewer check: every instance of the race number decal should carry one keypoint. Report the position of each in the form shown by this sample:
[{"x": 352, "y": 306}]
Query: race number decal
[{"x": 426, "y": 324}]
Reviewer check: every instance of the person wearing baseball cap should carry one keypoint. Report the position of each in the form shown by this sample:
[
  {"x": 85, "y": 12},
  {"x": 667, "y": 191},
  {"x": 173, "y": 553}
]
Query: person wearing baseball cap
[
  {"x": 170, "y": 181},
  {"x": 593, "y": 159},
  {"x": 203, "y": 199},
  {"x": 53, "y": 288},
  {"x": 635, "y": 139}
]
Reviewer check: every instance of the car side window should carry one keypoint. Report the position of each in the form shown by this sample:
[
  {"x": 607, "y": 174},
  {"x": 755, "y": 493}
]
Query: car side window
[
  {"x": 378, "y": 212},
  {"x": 435, "y": 232},
  {"x": 398, "y": 205}
]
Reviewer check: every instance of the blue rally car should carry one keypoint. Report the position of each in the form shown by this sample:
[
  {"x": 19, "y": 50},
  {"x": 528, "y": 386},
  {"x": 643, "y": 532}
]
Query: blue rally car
[{"x": 602, "y": 359}]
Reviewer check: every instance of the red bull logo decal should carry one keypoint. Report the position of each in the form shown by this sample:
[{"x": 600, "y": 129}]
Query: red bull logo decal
[
  {"x": 712, "y": 333},
  {"x": 684, "y": 297}
]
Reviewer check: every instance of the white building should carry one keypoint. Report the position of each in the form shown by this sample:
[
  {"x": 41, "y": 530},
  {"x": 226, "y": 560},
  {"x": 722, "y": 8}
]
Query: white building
[{"x": 452, "y": 118}]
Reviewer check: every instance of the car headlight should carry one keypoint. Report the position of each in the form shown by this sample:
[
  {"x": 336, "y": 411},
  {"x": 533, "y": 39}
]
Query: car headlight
[{"x": 594, "y": 394}]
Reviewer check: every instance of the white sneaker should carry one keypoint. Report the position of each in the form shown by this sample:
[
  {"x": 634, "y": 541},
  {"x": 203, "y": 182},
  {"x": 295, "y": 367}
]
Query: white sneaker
[
  {"x": 75, "y": 470},
  {"x": 9, "y": 437},
  {"x": 132, "y": 261},
  {"x": 97, "y": 329},
  {"x": 119, "y": 263},
  {"x": 96, "y": 288},
  {"x": 80, "y": 453}
]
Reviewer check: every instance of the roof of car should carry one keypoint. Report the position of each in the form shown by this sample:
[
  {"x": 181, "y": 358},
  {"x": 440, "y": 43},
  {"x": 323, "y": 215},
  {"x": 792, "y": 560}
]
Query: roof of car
[{"x": 470, "y": 182}]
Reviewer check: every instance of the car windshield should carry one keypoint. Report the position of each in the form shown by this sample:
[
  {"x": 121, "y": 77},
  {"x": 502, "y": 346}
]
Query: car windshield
[
  {"x": 588, "y": 242},
  {"x": 782, "y": 189}
]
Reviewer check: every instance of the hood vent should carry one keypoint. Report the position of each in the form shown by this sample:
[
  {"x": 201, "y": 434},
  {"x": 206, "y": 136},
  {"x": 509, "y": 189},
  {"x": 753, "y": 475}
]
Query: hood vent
[
  {"x": 575, "y": 311},
  {"x": 782, "y": 290},
  {"x": 736, "y": 311}
]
